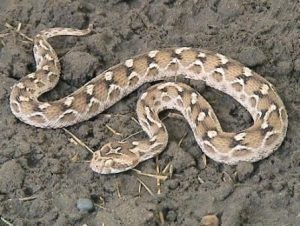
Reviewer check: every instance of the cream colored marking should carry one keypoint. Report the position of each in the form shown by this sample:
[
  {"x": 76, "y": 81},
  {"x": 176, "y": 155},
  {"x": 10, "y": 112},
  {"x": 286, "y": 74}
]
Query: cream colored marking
[
  {"x": 90, "y": 89},
  {"x": 112, "y": 87},
  {"x": 45, "y": 67},
  {"x": 93, "y": 100},
  {"x": 135, "y": 143},
  {"x": 220, "y": 70},
  {"x": 198, "y": 62},
  {"x": 132, "y": 75},
  {"x": 174, "y": 61},
  {"x": 247, "y": 72},
  {"x": 240, "y": 136},
  {"x": 41, "y": 42},
  {"x": 153, "y": 139},
  {"x": 108, "y": 75},
  {"x": 212, "y": 133},
  {"x": 153, "y": 65},
  {"x": 68, "y": 101},
  {"x": 194, "y": 98},
  {"x": 264, "y": 125},
  {"x": 48, "y": 57},
  {"x": 44, "y": 106},
  {"x": 20, "y": 85},
  {"x": 223, "y": 58},
  {"x": 201, "y": 116},
  {"x": 24, "y": 99},
  {"x": 149, "y": 117},
  {"x": 201, "y": 55},
  {"x": 152, "y": 53},
  {"x": 264, "y": 89},
  {"x": 164, "y": 85},
  {"x": 32, "y": 75},
  {"x": 129, "y": 63},
  {"x": 143, "y": 96},
  {"x": 180, "y": 50}
]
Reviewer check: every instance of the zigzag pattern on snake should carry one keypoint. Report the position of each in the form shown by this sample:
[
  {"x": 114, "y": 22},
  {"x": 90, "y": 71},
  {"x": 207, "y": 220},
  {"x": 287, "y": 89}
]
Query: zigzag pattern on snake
[{"x": 251, "y": 90}]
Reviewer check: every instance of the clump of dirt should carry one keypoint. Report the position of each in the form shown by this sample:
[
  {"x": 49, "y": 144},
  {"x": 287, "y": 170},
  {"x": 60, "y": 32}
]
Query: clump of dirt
[{"x": 44, "y": 176}]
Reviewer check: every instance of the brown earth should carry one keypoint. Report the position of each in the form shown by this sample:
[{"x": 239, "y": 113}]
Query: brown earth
[{"x": 44, "y": 176}]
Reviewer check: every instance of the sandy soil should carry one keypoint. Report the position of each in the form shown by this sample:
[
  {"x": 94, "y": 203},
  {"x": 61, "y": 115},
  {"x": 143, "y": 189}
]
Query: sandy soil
[{"x": 44, "y": 176}]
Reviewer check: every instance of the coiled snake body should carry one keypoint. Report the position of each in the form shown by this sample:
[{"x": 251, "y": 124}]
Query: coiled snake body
[{"x": 251, "y": 90}]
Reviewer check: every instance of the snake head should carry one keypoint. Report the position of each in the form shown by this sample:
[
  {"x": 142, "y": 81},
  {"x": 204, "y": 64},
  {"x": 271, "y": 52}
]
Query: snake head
[{"x": 114, "y": 157}]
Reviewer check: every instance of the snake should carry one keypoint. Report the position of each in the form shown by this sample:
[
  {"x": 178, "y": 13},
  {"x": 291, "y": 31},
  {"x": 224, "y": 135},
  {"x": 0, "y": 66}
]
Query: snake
[{"x": 252, "y": 91}]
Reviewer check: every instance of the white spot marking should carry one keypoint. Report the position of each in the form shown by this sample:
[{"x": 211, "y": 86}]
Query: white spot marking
[
  {"x": 153, "y": 139},
  {"x": 220, "y": 70},
  {"x": 273, "y": 107},
  {"x": 149, "y": 117},
  {"x": 144, "y": 95},
  {"x": 198, "y": 62},
  {"x": 180, "y": 50},
  {"x": 45, "y": 67},
  {"x": 22, "y": 98},
  {"x": 264, "y": 89},
  {"x": 212, "y": 133},
  {"x": 48, "y": 57},
  {"x": 20, "y": 85},
  {"x": 132, "y": 75},
  {"x": 32, "y": 75},
  {"x": 153, "y": 65},
  {"x": 135, "y": 143},
  {"x": 201, "y": 116},
  {"x": 223, "y": 58},
  {"x": 129, "y": 63},
  {"x": 68, "y": 101},
  {"x": 164, "y": 85},
  {"x": 201, "y": 55},
  {"x": 174, "y": 61},
  {"x": 108, "y": 75},
  {"x": 194, "y": 98},
  {"x": 247, "y": 72},
  {"x": 44, "y": 106},
  {"x": 112, "y": 87},
  {"x": 152, "y": 53},
  {"x": 90, "y": 89},
  {"x": 264, "y": 125},
  {"x": 240, "y": 136},
  {"x": 92, "y": 100},
  {"x": 43, "y": 45}
]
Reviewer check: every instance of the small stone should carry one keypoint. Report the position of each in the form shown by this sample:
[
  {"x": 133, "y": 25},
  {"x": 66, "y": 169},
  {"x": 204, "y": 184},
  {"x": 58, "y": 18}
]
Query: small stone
[
  {"x": 244, "y": 170},
  {"x": 11, "y": 176},
  {"x": 223, "y": 191},
  {"x": 284, "y": 67},
  {"x": 210, "y": 220},
  {"x": 171, "y": 216},
  {"x": 85, "y": 205},
  {"x": 297, "y": 65},
  {"x": 229, "y": 8},
  {"x": 252, "y": 56}
]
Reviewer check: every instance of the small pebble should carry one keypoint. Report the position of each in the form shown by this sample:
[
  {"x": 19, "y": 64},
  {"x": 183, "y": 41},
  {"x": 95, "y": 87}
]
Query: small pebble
[
  {"x": 210, "y": 220},
  {"x": 252, "y": 56},
  {"x": 85, "y": 205},
  {"x": 297, "y": 65},
  {"x": 229, "y": 8},
  {"x": 284, "y": 67},
  {"x": 244, "y": 170},
  {"x": 223, "y": 191}
]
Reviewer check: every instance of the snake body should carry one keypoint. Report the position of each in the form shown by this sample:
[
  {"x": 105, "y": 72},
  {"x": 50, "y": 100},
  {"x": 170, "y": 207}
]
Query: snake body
[{"x": 251, "y": 90}]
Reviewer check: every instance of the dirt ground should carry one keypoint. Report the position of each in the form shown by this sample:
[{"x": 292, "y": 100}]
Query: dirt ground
[{"x": 44, "y": 175}]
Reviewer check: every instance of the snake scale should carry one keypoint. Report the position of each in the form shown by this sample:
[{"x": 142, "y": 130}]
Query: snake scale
[{"x": 252, "y": 91}]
